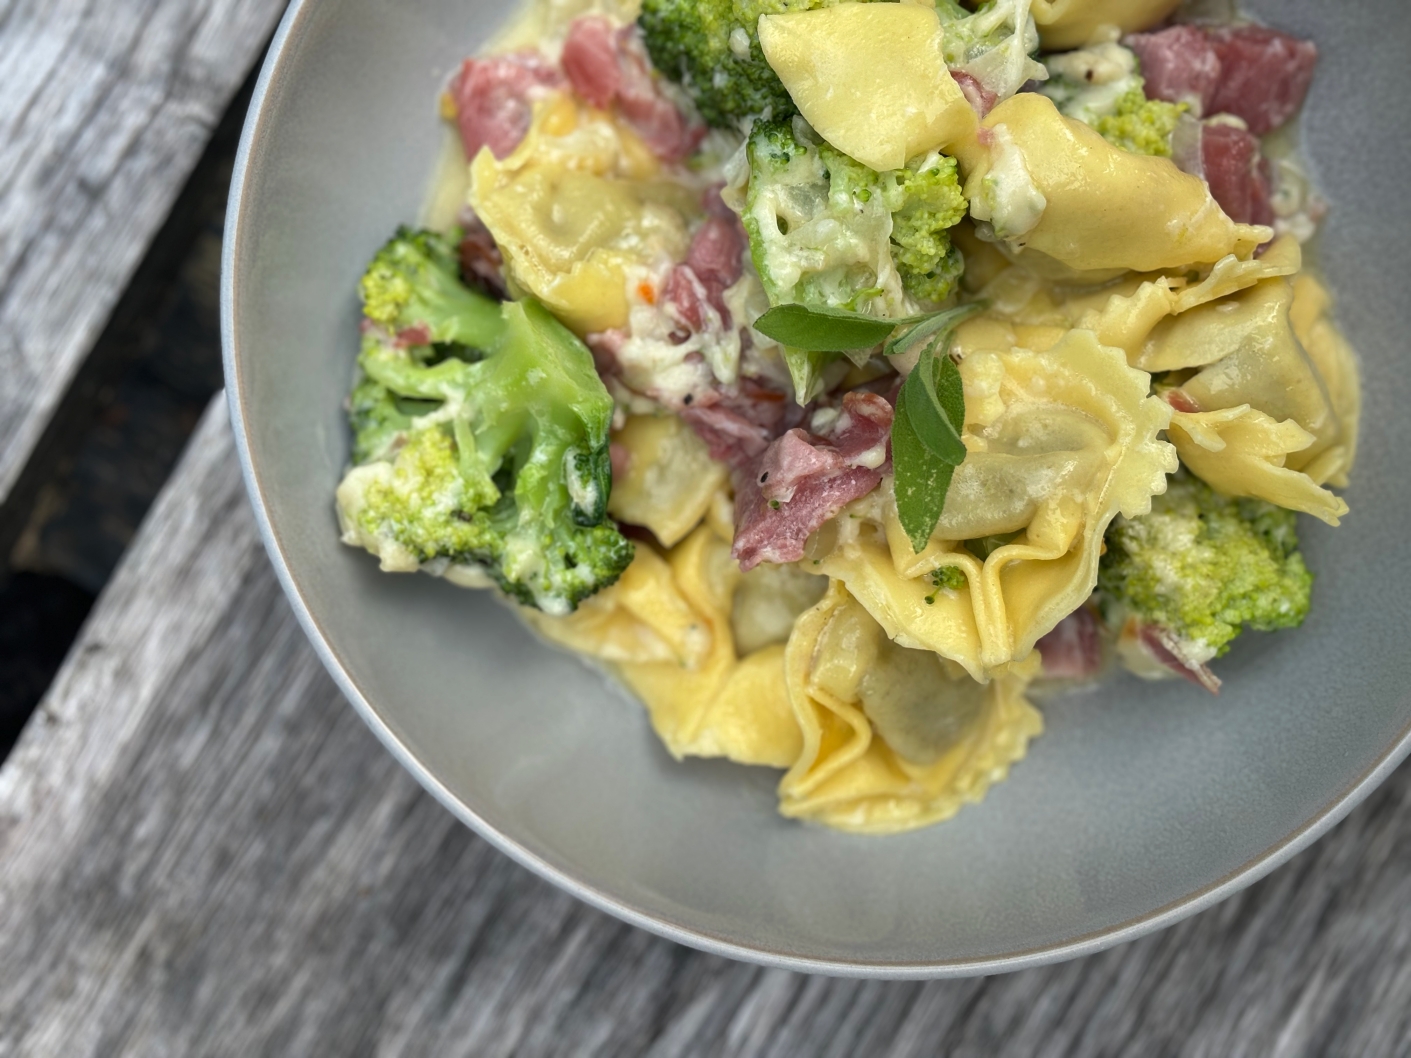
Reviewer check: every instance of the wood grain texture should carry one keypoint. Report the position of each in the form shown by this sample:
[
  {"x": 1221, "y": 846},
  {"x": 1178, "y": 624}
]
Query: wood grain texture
[
  {"x": 105, "y": 108},
  {"x": 206, "y": 853}
]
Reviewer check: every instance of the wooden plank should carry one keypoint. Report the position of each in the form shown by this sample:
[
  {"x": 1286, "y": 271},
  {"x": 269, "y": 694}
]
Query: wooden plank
[
  {"x": 205, "y": 852},
  {"x": 105, "y": 109}
]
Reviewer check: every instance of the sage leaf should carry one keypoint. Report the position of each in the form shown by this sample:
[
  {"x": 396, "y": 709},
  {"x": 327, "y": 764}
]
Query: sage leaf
[
  {"x": 806, "y": 371},
  {"x": 936, "y": 400},
  {"x": 920, "y": 477},
  {"x": 926, "y": 441},
  {"x": 825, "y": 330},
  {"x": 910, "y": 331}
]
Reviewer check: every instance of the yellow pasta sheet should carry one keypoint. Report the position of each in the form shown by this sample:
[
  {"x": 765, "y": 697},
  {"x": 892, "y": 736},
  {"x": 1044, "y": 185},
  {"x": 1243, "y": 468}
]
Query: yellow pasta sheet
[
  {"x": 1096, "y": 208},
  {"x": 876, "y": 737},
  {"x": 1270, "y": 387},
  {"x": 1057, "y": 444},
  {"x": 871, "y": 79},
  {"x": 665, "y": 626},
  {"x": 669, "y": 480},
  {"x": 893, "y": 738},
  {"x": 1067, "y": 24},
  {"x": 576, "y": 206}
]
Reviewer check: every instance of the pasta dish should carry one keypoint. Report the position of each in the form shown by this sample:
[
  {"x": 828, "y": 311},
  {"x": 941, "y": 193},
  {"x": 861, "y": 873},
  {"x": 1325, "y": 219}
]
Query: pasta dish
[{"x": 845, "y": 377}]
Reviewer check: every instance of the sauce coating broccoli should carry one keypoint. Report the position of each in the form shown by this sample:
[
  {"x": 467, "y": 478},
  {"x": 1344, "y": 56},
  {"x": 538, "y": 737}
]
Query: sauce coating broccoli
[
  {"x": 480, "y": 434},
  {"x": 711, "y": 47},
  {"x": 825, "y": 230},
  {"x": 1204, "y": 567},
  {"x": 1101, "y": 86}
]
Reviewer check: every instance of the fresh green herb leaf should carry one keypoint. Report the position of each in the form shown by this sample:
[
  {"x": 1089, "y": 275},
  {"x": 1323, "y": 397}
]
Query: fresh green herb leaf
[
  {"x": 936, "y": 403},
  {"x": 911, "y": 331},
  {"x": 806, "y": 370},
  {"x": 921, "y": 478},
  {"x": 825, "y": 330},
  {"x": 926, "y": 442}
]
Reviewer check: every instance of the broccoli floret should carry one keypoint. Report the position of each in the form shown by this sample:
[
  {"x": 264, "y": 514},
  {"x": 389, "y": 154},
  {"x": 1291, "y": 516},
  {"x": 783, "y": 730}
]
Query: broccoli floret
[
  {"x": 1141, "y": 125},
  {"x": 995, "y": 45},
  {"x": 711, "y": 47},
  {"x": 413, "y": 284},
  {"x": 931, "y": 204},
  {"x": 380, "y": 418},
  {"x": 951, "y": 578},
  {"x": 1101, "y": 86},
  {"x": 491, "y": 453},
  {"x": 1204, "y": 567},
  {"x": 825, "y": 230}
]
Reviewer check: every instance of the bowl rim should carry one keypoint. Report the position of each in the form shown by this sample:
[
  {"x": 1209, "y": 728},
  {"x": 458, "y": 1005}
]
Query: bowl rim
[{"x": 277, "y": 69}]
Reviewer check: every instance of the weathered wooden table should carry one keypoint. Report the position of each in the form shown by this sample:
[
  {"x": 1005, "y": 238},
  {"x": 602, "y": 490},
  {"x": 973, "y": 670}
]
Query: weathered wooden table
[{"x": 202, "y": 850}]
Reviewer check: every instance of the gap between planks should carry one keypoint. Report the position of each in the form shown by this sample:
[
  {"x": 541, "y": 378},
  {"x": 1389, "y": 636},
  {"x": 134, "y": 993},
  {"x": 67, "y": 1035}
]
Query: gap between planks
[{"x": 105, "y": 109}]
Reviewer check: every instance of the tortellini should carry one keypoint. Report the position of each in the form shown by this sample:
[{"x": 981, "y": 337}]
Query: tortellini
[
  {"x": 1270, "y": 398},
  {"x": 577, "y": 205},
  {"x": 889, "y": 55},
  {"x": 1058, "y": 443},
  {"x": 1240, "y": 451},
  {"x": 668, "y": 479},
  {"x": 1257, "y": 417},
  {"x": 875, "y": 737},
  {"x": 1126, "y": 312},
  {"x": 1337, "y": 365},
  {"x": 665, "y": 628},
  {"x": 1072, "y": 23},
  {"x": 1060, "y": 196},
  {"x": 892, "y": 738}
]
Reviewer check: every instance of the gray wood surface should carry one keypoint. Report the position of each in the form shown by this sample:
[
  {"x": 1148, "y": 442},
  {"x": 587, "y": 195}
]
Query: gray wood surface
[
  {"x": 105, "y": 106},
  {"x": 205, "y": 853}
]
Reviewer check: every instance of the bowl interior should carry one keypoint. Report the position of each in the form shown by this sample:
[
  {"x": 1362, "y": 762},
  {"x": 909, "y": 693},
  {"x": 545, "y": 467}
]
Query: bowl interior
[{"x": 1142, "y": 801}]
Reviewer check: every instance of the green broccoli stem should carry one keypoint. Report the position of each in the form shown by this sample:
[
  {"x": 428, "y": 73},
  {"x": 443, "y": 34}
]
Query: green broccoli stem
[{"x": 468, "y": 319}]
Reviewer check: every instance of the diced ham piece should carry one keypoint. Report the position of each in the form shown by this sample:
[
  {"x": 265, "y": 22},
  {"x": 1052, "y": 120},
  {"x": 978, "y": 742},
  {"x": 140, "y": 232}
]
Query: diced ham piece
[
  {"x": 980, "y": 98},
  {"x": 621, "y": 458},
  {"x": 1257, "y": 74},
  {"x": 1264, "y": 75},
  {"x": 608, "y": 66},
  {"x": 716, "y": 255},
  {"x": 1166, "y": 649},
  {"x": 494, "y": 99},
  {"x": 1180, "y": 65},
  {"x": 793, "y": 460},
  {"x": 410, "y": 337},
  {"x": 861, "y": 432},
  {"x": 713, "y": 263},
  {"x": 689, "y": 298},
  {"x": 605, "y": 347},
  {"x": 1073, "y": 650},
  {"x": 764, "y": 533},
  {"x": 482, "y": 264},
  {"x": 733, "y": 439},
  {"x": 590, "y": 61},
  {"x": 1237, "y": 173},
  {"x": 803, "y": 480},
  {"x": 738, "y": 424}
]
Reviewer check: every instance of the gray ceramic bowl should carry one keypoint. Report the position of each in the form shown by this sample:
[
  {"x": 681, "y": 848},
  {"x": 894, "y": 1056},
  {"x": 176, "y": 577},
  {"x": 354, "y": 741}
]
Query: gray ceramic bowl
[{"x": 1142, "y": 804}]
